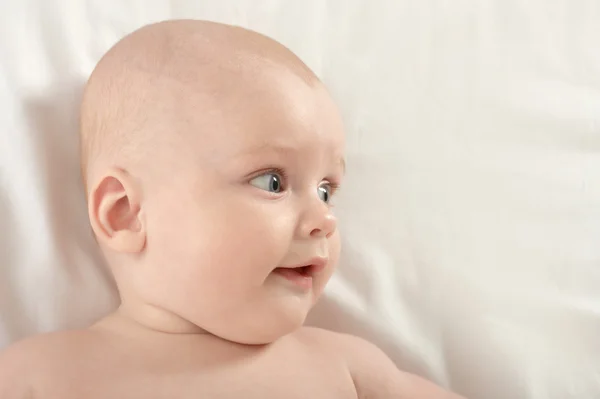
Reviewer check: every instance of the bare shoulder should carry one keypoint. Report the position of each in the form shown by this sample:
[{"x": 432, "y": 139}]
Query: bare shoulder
[
  {"x": 16, "y": 362},
  {"x": 25, "y": 363},
  {"x": 336, "y": 340},
  {"x": 358, "y": 352},
  {"x": 354, "y": 349},
  {"x": 46, "y": 347},
  {"x": 373, "y": 372}
]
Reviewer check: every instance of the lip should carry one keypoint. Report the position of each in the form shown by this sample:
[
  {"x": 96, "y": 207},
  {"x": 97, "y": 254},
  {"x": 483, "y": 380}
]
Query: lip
[
  {"x": 301, "y": 275},
  {"x": 315, "y": 265}
]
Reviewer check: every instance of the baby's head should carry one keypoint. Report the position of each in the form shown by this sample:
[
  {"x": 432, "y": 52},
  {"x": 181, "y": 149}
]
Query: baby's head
[{"x": 210, "y": 154}]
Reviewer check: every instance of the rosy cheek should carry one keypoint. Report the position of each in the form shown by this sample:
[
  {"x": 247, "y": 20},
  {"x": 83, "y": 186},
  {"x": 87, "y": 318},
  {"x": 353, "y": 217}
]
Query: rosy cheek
[
  {"x": 334, "y": 254},
  {"x": 335, "y": 245}
]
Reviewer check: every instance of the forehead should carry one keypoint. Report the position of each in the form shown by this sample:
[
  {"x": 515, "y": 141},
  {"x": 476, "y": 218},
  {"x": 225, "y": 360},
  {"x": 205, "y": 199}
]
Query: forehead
[{"x": 276, "y": 109}]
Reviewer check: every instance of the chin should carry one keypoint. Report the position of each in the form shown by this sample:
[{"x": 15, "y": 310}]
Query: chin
[{"x": 267, "y": 329}]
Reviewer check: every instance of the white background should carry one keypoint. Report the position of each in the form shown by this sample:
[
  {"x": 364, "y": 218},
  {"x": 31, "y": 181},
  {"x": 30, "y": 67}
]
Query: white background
[{"x": 471, "y": 209}]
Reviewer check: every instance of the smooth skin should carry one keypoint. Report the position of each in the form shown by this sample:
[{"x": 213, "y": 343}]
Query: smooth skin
[{"x": 211, "y": 155}]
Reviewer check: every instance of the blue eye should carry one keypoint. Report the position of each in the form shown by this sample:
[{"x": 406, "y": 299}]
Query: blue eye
[
  {"x": 271, "y": 182},
  {"x": 325, "y": 192}
]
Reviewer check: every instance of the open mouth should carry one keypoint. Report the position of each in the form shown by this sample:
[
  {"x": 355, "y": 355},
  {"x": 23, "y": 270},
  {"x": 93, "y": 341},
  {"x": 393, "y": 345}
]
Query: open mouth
[
  {"x": 301, "y": 276},
  {"x": 303, "y": 271}
]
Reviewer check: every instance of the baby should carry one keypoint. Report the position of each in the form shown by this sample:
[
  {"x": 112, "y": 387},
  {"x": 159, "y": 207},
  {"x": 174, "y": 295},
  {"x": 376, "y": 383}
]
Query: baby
[{"x": 210, "y": 156}]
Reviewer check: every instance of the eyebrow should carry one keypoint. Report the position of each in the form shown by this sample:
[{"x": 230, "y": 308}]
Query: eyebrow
[
  {"x": 283, "y": 149},
  {"x": 269, "y": 147}
]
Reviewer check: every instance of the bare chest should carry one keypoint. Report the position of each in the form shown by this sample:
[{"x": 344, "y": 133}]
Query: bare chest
[
  {"x": 260, "y": 383},
  {"x": 286, "y": 373}
]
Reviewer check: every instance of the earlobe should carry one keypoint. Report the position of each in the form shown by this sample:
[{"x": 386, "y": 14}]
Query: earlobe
[{"x": 115, "y": 213}]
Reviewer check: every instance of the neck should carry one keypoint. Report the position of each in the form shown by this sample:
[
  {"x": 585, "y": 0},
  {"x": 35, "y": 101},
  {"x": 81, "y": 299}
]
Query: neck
[{"x": 138, "y": 316}]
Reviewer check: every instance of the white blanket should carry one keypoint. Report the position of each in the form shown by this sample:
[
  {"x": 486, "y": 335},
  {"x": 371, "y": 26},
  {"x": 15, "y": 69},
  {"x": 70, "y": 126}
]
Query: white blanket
[{"x": 471, "y": 209}]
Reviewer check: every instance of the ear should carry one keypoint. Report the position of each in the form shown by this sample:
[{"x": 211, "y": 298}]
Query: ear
[{"x": 115, "y": 213}]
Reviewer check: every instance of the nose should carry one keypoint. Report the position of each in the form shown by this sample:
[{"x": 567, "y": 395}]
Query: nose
[{"x": 317, "y": 221}]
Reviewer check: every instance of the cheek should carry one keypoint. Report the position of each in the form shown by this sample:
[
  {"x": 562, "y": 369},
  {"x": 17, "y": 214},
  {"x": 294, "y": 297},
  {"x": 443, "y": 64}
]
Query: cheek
[
  {"x": 335, "y": 245},
  {"x": 334, "y": 256},
  {"x": 244, "y": 231},
  {"x": 228, "y": 241}
]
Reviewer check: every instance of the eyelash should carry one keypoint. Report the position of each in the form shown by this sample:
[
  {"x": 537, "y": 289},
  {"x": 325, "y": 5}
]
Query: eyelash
[
  {"x": 335, "y": 186},
  {"x": 282, "y": 173}
]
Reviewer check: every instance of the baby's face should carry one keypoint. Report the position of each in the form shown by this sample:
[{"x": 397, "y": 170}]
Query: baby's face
[{"x": 241, "y": 204}]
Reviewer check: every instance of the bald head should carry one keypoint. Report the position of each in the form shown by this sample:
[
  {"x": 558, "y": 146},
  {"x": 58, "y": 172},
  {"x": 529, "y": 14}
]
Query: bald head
[{"x": 152, "y": 72}]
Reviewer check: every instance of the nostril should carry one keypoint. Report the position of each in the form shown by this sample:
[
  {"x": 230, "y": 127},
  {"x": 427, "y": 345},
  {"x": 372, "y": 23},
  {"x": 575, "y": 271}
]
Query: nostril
[{"x": 316, "y": 232}]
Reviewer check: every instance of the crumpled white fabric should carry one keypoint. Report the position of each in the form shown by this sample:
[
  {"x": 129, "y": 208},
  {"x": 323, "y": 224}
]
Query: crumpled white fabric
[{"x": 471, "y": 209}]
